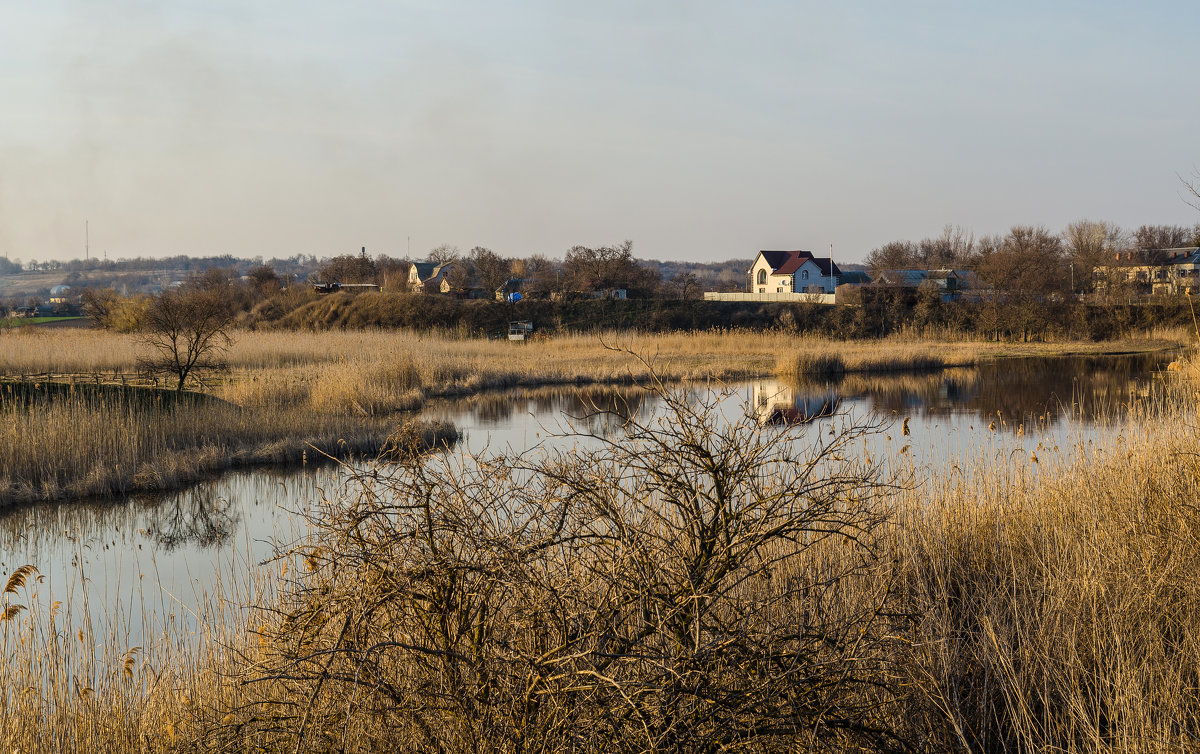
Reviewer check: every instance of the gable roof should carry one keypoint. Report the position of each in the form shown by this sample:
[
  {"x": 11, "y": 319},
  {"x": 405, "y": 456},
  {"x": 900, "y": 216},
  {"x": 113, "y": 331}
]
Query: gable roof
[
  {"x": 424, "y": 269},
  {"x": 826, "y": 266},
  {"x": 785, "y": 262}
]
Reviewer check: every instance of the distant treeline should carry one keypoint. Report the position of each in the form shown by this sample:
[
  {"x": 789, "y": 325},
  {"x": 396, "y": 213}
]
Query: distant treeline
[
  {"x": 886, "y": 312},
  {"x": 1033, "y": 260},
  {"x": 580, "y": 268}
]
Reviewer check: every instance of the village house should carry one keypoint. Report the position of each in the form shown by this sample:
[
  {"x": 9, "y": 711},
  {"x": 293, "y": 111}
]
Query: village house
[
  {"x": 429, "y": 277},
  {"x": 1158, "y": 271},
  {"x": 793, "y": 272}
]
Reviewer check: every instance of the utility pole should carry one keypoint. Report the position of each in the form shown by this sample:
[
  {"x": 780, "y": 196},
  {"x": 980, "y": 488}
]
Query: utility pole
[
  {"x": 87, "y": 241},
  {"x": 832, "y": 280}
]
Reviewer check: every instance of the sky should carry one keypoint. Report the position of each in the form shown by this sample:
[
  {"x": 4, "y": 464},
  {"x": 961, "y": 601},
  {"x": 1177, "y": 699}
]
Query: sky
[{"x": 699, "y": 130}]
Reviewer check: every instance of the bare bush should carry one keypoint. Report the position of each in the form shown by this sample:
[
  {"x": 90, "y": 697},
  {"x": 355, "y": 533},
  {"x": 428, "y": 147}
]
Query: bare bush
[{"x": 676, "y": 581}]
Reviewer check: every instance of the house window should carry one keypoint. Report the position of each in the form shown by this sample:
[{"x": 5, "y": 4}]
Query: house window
[
  {"x": 804, "y": 274},
  {"x": 762, "y": 277}
]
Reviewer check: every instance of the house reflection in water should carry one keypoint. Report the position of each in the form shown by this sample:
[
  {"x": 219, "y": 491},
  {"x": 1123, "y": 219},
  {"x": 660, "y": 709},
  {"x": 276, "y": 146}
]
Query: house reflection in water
[{"x": 781, "y": 403}]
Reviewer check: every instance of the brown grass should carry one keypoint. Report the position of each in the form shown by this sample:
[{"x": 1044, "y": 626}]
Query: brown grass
[
  {"x": 75, "y": 447},
  {"x": 1055, "y": 609},
  {"x": 1048, "y": 605},
  {"x": 448, "y": 365}
]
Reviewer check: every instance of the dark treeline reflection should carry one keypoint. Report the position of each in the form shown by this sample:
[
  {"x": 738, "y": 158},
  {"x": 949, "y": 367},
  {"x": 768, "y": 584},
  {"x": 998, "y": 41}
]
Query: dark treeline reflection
[
  {"x": 579, "y": 404},
  {"x": 1011, "y": 392}
]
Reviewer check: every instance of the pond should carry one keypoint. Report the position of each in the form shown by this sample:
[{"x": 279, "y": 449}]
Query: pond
[{"x": 143, "y": 562}]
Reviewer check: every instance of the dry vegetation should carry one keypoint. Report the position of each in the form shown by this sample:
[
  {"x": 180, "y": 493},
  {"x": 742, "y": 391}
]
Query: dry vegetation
[
  {"x": 340, "y": 392},
  {"x": 442, "y": 364},
  {"x": 689, "y": 586}
]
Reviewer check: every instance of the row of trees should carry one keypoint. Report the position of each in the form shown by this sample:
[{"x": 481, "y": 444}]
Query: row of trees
[
  {"x": 583, "y": 268},
  {"x": 1035, "y": 260}
]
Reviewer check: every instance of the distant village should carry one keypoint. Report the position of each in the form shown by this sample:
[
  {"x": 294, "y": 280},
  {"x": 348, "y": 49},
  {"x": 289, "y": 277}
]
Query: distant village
[{"x": 1089, "y": 262}]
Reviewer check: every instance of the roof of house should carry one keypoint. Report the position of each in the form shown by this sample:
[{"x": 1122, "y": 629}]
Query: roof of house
[
  {"x": 914, "y": 278},
  {"x": 858, "y": 277},
  {"x": 907, "y": 278},
  {"x": 827, "y": 266},
  {"x": 424, "y": 269},
  {"x": 787, "y": 262},
  {"x": 1184, "y": 256}
]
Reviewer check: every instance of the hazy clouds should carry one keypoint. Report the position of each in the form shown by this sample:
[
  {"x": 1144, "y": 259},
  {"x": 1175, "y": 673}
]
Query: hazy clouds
[{"x": 702, "y": 130}]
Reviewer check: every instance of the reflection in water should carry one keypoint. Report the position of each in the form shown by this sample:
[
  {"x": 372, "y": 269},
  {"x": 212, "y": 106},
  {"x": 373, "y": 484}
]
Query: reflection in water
[
  {"x": 596, "y": 410},
  {"x": 1017, "y": 393},
  {"x": 194, "y": 516},
  {"x": 499, "y": 408},
  {"x": 778, "y": 402},
  {"x": 191, "y": 543}
]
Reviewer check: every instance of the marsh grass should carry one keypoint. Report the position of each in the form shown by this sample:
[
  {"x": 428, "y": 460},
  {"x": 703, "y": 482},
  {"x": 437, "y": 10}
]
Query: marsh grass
[
  {"x": 1034, "y": 604},
  {"x": 1056, "y": 609},
  {"x": 75, "y": 679},
  {"x": 1046, "y": 606},
  {"x": 726, "y": 354},
  {"x": 72, "y": 446}
]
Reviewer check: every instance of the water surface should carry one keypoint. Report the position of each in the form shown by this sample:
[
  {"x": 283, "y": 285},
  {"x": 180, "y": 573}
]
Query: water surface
[{"x": 152, "y": 559}]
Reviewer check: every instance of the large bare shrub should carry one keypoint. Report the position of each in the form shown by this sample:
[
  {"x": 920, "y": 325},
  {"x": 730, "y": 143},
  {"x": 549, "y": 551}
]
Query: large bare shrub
[{"x": 676, "y": 581}]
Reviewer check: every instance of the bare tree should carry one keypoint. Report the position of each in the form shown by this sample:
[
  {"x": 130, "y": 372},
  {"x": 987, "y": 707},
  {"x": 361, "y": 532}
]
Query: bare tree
[
  {"x": 1091, "y": 245},
  {"x": 677, "y": 582},
  {"x": 492, "y": 269},
  {"x": 1192, "y": 186},
  {"x": 894, "y": 255},
  {"x": 186, "y": 332},
  {"x": 443, "y": 254}
]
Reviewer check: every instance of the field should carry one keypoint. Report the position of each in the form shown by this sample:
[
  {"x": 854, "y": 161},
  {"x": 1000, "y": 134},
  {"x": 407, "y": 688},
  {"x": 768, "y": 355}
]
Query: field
[{"x": 26, "y": 321}]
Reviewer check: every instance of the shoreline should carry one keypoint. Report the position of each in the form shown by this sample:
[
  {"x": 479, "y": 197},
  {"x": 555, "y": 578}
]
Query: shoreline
[{"x": 270, "y": 417}]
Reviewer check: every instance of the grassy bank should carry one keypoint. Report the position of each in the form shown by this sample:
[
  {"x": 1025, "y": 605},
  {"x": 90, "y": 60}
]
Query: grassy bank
[{"x": 443, "y": 363}]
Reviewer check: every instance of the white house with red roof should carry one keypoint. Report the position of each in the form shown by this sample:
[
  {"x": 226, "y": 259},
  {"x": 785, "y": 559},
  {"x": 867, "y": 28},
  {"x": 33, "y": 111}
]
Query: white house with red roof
[{"x": 793, "y": 272}]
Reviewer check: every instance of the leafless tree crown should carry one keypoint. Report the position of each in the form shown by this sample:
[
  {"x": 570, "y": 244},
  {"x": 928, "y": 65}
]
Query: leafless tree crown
[{"x": 676, "y": 581}]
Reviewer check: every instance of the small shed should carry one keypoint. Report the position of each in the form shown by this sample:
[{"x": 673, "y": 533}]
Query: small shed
[{"x": 519, "y": 330}]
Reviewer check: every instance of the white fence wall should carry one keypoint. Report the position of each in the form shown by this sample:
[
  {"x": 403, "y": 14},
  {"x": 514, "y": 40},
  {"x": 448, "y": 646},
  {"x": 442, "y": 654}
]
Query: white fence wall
[{"x": 799, "y": 298}]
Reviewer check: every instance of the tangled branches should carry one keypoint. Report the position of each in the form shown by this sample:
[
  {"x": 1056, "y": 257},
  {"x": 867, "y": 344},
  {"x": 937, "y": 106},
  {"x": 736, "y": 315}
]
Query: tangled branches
[{"x": 675, "y": 581}]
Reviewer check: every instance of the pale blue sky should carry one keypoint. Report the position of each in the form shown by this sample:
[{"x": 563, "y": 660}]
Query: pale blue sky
[{"x": 702, "y": 130}]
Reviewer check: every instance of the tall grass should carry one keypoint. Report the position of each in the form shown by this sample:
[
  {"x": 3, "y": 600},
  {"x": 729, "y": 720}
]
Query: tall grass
[
  {"x": 1056, "y": 609},
  {"x": 1040, "y": 604},
  {"x": 448, "y": 365},
  {"x": 72, "y": 447}
]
